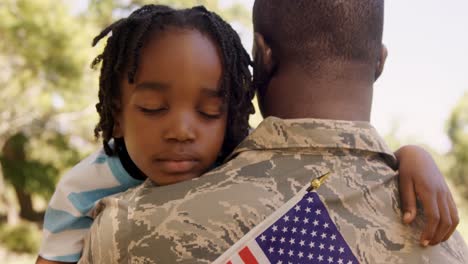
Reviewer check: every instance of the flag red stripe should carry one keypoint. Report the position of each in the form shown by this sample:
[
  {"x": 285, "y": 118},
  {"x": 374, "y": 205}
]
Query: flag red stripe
[
  {"x": 229, "y": 262},
  {"x": 247, "y": 256}
]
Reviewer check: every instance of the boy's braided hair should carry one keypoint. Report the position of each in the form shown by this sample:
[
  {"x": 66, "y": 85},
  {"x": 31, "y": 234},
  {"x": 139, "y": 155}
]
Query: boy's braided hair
[{"x": 122, "y": 51}]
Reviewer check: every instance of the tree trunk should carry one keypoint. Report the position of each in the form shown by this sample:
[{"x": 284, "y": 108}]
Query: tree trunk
[
  {"x": 13, "y": 152},
  {"x": 26, "y": 206}
]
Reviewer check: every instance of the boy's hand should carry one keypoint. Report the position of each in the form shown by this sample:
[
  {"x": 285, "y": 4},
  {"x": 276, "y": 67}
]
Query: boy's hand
[{"x": 420, "y": 178}]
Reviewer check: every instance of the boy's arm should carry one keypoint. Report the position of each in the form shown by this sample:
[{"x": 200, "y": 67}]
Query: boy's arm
[
  {"x": 68, "y": 216},
  {"x": 421, "y": 179},
  {"x": 45, "y": 261}
]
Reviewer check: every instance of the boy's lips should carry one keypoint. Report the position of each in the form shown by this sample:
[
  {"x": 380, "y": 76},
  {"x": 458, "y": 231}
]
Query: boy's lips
[
  {"x": 177, "y": 163},
  {"x": 177, "y": 166}
]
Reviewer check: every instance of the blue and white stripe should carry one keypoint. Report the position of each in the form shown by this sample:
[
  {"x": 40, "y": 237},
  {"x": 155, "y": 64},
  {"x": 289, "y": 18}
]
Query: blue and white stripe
[{"x": 67, "y": 218}]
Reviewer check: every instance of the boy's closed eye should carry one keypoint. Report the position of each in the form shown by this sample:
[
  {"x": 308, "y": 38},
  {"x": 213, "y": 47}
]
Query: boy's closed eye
[
  {"x": 151, "y": 110},
  {"x": 149, "y": 98},
  {"x": 211, "y": 107}
]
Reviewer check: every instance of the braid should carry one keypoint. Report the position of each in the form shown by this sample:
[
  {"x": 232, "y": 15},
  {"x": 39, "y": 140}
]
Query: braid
[
  {"x": 237, "y": 87},
  {"x": 122, "y": 53}
]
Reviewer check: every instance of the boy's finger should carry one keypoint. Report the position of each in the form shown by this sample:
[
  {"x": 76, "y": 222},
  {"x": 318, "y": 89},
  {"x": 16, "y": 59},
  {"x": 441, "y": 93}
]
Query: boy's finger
[
  {"x": 445, "y": 222},
  {"x": 432, "y": 217},
  {"x": 454, "y": 215},
  {"x": 408, "y": 199}
]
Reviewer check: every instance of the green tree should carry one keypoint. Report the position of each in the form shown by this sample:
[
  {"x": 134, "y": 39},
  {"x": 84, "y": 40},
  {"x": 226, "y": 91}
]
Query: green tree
[
  {"x": 44, "y": 56},
  {"x": 458, "y": 134}
]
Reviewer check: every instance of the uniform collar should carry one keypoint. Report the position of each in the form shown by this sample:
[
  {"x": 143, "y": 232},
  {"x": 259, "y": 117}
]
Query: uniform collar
[{"x": 275, "y": 133}]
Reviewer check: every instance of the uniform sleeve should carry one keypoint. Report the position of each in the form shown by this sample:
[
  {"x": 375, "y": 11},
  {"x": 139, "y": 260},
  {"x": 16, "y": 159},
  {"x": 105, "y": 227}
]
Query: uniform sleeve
[{"x": 100, "y": 244}]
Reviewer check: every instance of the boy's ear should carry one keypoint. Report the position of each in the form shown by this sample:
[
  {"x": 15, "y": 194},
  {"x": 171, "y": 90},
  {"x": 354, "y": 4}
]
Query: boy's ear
[
  {"x": 262, "y": 51},
  {"x": 117, "y": 131},
  {"x": 381, "y": 63}
]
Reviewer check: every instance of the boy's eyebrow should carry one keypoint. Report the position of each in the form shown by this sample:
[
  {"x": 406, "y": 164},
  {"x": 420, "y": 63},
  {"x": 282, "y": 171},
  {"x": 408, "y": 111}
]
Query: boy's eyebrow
[
  {"x": 152, "y": 86},
  {"x": 210, "y": 92}
]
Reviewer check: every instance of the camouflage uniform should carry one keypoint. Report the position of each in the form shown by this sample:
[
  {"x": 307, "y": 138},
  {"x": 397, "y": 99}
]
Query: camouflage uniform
[{"x": 196, "y": 221}]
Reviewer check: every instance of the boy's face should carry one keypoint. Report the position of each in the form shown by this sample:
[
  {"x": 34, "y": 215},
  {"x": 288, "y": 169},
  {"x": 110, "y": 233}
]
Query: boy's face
[{"x": 172, "y": 117}]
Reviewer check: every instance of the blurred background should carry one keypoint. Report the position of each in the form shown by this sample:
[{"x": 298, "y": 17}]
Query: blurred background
[{"x": 48, "y": 93}]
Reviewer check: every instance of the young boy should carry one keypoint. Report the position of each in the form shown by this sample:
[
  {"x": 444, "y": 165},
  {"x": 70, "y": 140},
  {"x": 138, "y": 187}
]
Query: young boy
[{"x": 174, "y": 100}]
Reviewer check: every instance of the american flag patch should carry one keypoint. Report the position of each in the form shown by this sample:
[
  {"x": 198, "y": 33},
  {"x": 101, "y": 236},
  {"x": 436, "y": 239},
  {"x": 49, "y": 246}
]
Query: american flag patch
[{"x": 299, "y": 232}]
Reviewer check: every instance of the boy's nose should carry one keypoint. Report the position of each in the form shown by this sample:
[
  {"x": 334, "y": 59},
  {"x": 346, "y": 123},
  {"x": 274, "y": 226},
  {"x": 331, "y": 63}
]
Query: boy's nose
[{"x": 181, "y": 129}]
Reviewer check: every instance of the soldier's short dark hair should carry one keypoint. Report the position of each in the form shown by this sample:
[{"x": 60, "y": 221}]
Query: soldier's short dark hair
[{"x": 311, "y": 31}]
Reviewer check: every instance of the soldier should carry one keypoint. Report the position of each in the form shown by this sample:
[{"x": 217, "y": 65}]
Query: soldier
[{"x": 307, "y": 55}]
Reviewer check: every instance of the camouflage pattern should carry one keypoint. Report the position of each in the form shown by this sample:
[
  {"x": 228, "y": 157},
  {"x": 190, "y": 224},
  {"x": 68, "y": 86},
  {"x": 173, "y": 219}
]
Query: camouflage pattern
[{"x": 196, "y": 221}]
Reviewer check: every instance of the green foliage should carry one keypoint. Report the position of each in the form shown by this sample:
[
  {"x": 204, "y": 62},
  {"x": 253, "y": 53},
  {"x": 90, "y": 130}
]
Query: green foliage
[
  {"x": 100, "y": 12},
  {"x": 36, "y": 169},
  {"x": 28, "y": 32},
  {"x": 45, "y": 53},
  {"x": 22, "y": 238},
  {"x": 39, "y": 45},
  {"x": 47, "y": 91},
  {"x": 458, "y": 134}
]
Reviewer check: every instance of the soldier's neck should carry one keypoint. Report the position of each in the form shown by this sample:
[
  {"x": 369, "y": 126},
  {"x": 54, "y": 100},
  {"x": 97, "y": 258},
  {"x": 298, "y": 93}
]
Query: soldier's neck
[{"x": 293, "y": 95}]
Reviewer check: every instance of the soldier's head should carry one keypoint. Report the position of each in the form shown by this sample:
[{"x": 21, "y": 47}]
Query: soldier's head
[
  {"x": 317, "y": 38},
  {"x": 171, "y": 81}
]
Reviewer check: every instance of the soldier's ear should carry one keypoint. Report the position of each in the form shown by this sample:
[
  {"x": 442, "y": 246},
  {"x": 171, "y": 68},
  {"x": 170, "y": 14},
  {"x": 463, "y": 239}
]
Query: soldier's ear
[
  {"x": 381, "y": 61},
  {"x": 263, "y": 54}
]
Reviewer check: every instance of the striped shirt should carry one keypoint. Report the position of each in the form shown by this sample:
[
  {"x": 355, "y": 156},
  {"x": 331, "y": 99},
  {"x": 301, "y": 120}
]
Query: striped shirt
[{"x": 68, "y": 216}]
